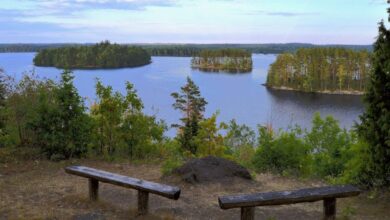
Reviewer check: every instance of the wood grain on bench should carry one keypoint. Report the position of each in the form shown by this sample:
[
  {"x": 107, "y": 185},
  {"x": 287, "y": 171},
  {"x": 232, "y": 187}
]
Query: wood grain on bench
[
  {"x": 144, "y": 187},
  {"x": 328, "y": 194}
]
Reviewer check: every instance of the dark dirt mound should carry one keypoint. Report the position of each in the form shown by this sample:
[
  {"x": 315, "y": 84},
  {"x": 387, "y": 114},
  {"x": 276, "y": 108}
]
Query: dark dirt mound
[{"x": 211, "y": 169}]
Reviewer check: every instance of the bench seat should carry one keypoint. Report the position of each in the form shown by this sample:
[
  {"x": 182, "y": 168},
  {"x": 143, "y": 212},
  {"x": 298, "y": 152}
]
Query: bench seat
[
  {"x": 329, "y": 194},
  {"x": 170, "y": 192}
]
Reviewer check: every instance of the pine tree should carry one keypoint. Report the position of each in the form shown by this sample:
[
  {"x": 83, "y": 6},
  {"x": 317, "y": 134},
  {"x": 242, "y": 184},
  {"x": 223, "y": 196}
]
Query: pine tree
[
  {"x": 190, "y": 102},
  {"x": 375, "y": 122}
]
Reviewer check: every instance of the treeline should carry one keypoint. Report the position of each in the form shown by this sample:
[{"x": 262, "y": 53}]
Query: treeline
[
  {"x": 229, "y": 60},
  {"x": 321, "y": 70},
  {"x": 16, "y": 48},
  {"x": 188, "y": 50},
  {"x": 102, "y": 55}
]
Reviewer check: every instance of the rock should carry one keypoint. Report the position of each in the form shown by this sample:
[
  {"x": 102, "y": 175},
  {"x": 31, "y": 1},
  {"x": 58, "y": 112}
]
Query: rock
[{"x": 211, "y": 169}]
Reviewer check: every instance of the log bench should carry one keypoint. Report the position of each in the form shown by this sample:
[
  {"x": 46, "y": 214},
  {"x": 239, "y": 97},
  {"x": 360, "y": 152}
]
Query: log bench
[
  {"x": 143, "y": 187},
  {"x": 328, "y": 194}
]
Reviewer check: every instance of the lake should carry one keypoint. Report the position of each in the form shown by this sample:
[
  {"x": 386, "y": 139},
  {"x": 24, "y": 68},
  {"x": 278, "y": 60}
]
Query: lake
[{"x": 238, "y": 96}]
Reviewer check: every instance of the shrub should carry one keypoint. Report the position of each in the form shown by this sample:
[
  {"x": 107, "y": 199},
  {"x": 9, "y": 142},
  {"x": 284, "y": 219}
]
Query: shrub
[
  {"x": 330, "y": 145},
  {"x": 285, "y": 153},
  {"x": 62, "y": 126},
  {"x": 121, "y": 128}
]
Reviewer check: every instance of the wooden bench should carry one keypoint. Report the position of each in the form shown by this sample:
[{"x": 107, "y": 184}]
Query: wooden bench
[
  {"x": 143, "y": 187},
  {"x": 247, "y": 203}
]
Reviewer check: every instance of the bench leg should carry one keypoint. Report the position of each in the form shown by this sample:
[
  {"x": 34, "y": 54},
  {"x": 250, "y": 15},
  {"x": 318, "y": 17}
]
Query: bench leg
[
  {"x": 330, "y": 209},
  {"x": 143, "y": 198},
  {"x": 93, "y": 189},
  {"x": 247, "y": 213}
]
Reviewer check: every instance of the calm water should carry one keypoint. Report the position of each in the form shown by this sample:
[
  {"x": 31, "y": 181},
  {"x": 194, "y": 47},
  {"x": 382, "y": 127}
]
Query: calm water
[{"x": 236, "y": 96}]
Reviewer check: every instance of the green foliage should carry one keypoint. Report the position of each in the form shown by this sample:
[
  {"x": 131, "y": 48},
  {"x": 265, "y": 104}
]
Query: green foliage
[
  {"x": 375, "y": 121},
  {"x": 120, "y": 125},
  {"x": 284, "y": 153},
  {"x": 356, "y": 170},
  {"x": 61, "y": 125},
  {"x": 21, "y": 109},
  {"x": 239, "y": 135},
  {"x": 231, "y": 60},
  {"x": 3, "y": 94},
  {"x": 321, "y": 69},
  {"x": 209, "y": 140},
  {"x": 192, "y": 105},
  {"x": 329, "y": 144},
  {"x": 240, "y": 140},
  {"x": 170, "y": 164},
  {"x": 102, "y": 55}
]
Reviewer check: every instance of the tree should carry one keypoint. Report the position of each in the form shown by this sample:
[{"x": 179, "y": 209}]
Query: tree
[
  {"x": 328, "y": 143},
  {"x": 190, "y": 102},
  {"x": 62, "y": 126},
  {"x": 102, "y": 55},
  {"x": 239, "y": 136},
  {"x": 120, "y": 124},
  {"x": 320, "y": 69},
  {"x": 21, "y": 106},
  {"x": 107, "y": 114},
  {"x": 140, "y": 132},
  {"x": 375, "y": 121},
  {"x": 209, "y": 139}
]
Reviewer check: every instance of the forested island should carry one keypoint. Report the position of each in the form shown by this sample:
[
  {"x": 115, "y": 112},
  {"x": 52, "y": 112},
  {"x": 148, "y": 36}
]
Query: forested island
[
  {"x": 325, "y": 70},
  {"x": 229, "y": 60},
  {"x": 101, "y": 55}
]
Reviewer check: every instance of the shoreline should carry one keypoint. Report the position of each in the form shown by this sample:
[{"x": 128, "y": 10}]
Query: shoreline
[
  {"x": 337, "y": 92},
  {"x": 218, "y": 69}
]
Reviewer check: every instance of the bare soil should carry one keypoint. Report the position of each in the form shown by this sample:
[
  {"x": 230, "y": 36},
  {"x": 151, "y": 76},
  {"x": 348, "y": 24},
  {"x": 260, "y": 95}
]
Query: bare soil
[{"x": 42, "y": 190}]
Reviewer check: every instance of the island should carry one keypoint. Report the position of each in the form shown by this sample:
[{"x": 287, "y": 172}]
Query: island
[
  {"x": 103, "y": 55},
  {"x": 322, "y": 70},
  {"x": 227, "y": 60}
]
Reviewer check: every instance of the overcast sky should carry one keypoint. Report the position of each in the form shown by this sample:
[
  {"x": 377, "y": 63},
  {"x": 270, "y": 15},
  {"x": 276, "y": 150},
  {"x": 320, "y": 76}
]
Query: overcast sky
[{"x": 191, "y": 21}]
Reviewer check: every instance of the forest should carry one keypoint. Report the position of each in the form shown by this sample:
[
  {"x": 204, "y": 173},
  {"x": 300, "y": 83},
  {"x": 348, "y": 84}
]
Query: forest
[
  {"x": 101, "y": 55},
  {"x": 229, "y": 60},
  {"x": 337, "y": 70},
  {"x": 187, "y": 50}
]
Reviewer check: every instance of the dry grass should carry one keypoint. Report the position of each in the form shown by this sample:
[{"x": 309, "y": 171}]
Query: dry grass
[{"x": 42, "y": 190}]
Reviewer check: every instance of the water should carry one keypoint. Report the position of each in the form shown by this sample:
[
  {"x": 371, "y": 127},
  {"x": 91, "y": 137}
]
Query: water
[{"x": 238, "y": 96}]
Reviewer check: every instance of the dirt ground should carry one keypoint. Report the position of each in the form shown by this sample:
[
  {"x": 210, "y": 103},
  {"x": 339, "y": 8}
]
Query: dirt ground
[{"x": 42, "y": 190}]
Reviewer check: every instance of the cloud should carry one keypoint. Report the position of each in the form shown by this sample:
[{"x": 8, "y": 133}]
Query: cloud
[
  {"x": 381, "y": 2},
  {"x": 61, "y": 5},
  {"x": 283, "y": 13},
  {"x": 290, "y": 14}
]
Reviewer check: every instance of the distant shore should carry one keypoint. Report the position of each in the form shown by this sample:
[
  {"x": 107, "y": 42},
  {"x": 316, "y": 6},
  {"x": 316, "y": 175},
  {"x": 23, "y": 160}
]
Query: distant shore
[{"x": 336, "y": 92}]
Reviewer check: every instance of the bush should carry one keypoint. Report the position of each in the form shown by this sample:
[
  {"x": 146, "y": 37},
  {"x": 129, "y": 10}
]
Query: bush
[
  {"x": 330, "y": 146},
  {"x": 120, "y": 128},
  {"x": 61, "y": 125},
  {"x": 285, "y": 153}
]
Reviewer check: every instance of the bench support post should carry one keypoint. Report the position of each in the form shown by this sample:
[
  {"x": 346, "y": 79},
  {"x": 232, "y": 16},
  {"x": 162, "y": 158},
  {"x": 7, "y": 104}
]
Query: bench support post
[
  {"x": 143, "y": 198},
  {"x": 330, "y": 209},
  {"x": 93, "y": 189},
  {"x": 247, "y": 213}
]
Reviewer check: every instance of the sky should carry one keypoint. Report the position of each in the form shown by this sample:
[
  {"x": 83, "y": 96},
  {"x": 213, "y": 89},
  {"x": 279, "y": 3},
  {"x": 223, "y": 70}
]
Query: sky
[{"x": 191, "y": 21}]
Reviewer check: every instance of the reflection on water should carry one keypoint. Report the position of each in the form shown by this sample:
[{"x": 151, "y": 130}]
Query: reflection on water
[
  {"x": 297, "y": 107},
  {"x": 238, "y": 96}
]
